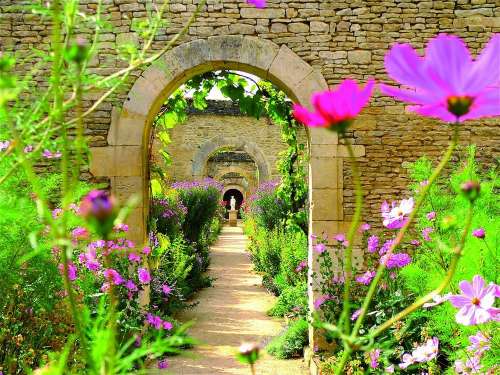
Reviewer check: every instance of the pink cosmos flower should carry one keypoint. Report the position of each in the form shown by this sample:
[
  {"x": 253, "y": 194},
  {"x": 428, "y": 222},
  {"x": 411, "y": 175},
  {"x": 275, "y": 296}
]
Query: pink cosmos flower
[
  {"x": 426, "y": 352},
  {"x": 446, "y": 83},
  {"x": 374, "y": 355},
  {"x": 479, "y": 233},
  {"x": 366, "y": 278},
  {"x": 144, "y": 276},
  {"x": 408, "y": 360},
  {"x": 257, "y": 3},
  {"x": 479, "y": 343},
  {"x": 397, "y": 215},
  {"x": 476, "y": 303},
  {"x": 320, "y": 248},
  {"x": 113, "y": 276},
  {"x": 335, "y": 109},
  {"x": 471, "y": 366},
  {"x": 4, "y": 145}
]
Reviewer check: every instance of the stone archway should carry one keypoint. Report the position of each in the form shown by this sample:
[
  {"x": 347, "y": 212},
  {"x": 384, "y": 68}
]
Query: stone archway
[
  {"x": 125, "y": 160},
  {"x": 208, "y": 148}
]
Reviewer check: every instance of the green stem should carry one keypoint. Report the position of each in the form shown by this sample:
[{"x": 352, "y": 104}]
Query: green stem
[
  {"x": 381, "y": 268},
  {"x": 344, "y": 317},
  {"x": 457, "y": 253}
]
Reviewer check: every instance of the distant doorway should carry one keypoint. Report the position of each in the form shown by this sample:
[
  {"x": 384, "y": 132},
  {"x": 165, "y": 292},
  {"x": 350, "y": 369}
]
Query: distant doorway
[{"x": 238, "y": 195}]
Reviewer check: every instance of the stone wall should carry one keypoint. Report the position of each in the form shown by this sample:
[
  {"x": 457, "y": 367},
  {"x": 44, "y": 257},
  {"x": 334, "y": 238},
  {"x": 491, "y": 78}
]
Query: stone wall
[{"x": 337, "y": 38}]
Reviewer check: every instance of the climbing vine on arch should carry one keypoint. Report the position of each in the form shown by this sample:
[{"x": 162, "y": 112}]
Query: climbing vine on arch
[{"x": 256, "y": 99}]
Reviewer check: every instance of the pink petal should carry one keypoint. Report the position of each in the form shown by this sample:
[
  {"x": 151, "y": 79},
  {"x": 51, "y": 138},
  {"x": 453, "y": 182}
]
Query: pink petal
[
  {"x": 467, "y": 289},
  {"x": 437, "y": 110},
  {"x": 481, "y": 75},
  {"x": 448, "y": 61},
  {"x": 477, "y": 285},
  {"x": 459, "y": 300},
  {"x": 325, "y": 104},
  {"x": 465, "y": 316},
  {"x": 487, "y": 300},
  {"x": 487, "y": 104},
  {"x": 480, "y": 316},
  {"x": 305, "y": 117},
  {"x": 407, "y": 95}
]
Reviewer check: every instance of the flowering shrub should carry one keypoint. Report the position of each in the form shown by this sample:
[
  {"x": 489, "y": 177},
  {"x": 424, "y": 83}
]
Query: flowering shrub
[{"x": 265, "y": 207}]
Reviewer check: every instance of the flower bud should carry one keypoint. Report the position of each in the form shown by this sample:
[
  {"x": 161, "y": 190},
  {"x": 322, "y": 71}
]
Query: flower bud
[
  {"x": 471, "y": 190},
  {"x": 249, "y": 353},
  {"x": 77, "y": 51},
  {"x": 100, "y": 210}
]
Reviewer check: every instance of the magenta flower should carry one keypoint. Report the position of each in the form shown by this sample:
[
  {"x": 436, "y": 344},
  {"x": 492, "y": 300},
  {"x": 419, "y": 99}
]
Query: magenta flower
[
  {"x": 133, "y": 257},
  {"x": 89, "y": 258},
  {"x": 166, "y": 289},
  {"x": 408, "y": 360},
  {"x": 426, "y": 232},
  {"x": 321, "y": 300},
  {"x": 335, "y": 109},
  {"x": 79, "y": 233},
  {"x": 130, "y": 285},
  {"x": 121, "y": 228},
  {"x": 28, "y": 149},
  {"x": 389, "y": 369},
  {"x": 144, "y": 276},
  {"x": 374, "y": 355},
  {"x": 146, "y": 250},
  {"x": 340, "y": 237},
  {"x": 479, "y": 233},
  {"x": 163, "y": 364},
  {"x": 471, "y": 366},
  {"x": 476, "y": 303},
  {"x": 113, "y": 276},
  {"x": 446, "y": 83},
  {"x": 366, "y": 278},
  {"x": 431, "y": 216},
  {"x": 356, "y": 314},
  {"x": 301, "y": 266},
  {"x": 397, "y": 215},
  {"x": 71, "y": 271},
  {"x": 56, "y": 213},
  {"x": 320, "y": 248},
  {"x": 398, "y": 260},
  {"x": 372, "y": 244},
  {"x": 257, "y": 3}
]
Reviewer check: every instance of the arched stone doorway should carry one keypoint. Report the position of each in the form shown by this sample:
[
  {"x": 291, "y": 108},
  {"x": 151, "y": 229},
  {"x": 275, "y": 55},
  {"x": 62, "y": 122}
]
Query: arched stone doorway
[
  {"x": 233, "y": 191},
  {"x": 125, "y": 160}
]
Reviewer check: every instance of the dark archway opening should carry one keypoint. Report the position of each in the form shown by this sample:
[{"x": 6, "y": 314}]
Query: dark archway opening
[{"x": 238, "y": 195}]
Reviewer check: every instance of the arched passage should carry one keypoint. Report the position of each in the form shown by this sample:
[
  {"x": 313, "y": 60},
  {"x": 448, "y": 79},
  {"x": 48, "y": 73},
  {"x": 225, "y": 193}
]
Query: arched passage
[{"x": 125, "y": 160}]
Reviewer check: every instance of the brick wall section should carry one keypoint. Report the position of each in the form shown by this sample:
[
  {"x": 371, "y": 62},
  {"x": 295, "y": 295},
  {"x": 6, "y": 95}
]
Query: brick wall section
[{"x": 338, "y": 38}]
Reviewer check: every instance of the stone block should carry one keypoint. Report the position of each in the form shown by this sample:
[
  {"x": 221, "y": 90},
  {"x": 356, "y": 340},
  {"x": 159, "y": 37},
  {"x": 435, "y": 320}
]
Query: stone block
[
  {"x": 298, "y": 27},
  {"x": 127, "y": 188},
  {"x": 312, "y": 83},
  {"x": 326, "y": 173},
  {"x": 127, "y": 128},
  {"x": 115, "y": 161},
  {"x": 137, "y": 227},
  {"x": 327, "y": 204},
  {"x": 257, "y": 55},
  {"x": 359, "y": 57},
  {"x": 225, "y": 48},
  {"x": 322, "y": 136},
  {"x": 288, "y": 69},
  {"x": 127, "y": 39},
  {"x": 338, "y": 151},
  {"x": 271, "y": 13},
  {"x": 319, "y": 27}
]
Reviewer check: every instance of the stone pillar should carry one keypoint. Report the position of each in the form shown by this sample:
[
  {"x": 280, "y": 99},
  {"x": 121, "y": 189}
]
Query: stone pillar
[{"x": 233, "y": 218}]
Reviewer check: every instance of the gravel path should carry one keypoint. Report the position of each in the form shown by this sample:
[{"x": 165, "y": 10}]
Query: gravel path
[{"x": 232, "y": 311}]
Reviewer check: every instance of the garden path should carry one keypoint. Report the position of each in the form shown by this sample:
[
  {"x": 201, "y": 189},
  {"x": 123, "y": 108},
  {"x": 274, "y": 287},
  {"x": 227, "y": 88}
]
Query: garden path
[{"x": 232, "y": 311}]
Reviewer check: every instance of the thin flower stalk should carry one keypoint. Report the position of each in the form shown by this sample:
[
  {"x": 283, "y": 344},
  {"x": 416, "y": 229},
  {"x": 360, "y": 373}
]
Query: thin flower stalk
[
  {"x": 344, "y": 317},
  {"x": 402, "y": 232}
]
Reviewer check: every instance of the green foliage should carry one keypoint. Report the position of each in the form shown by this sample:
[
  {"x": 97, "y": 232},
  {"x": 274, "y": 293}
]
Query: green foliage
[
  {"x": 292, "y": 299},
  {"x": 291, "y": 343}
]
